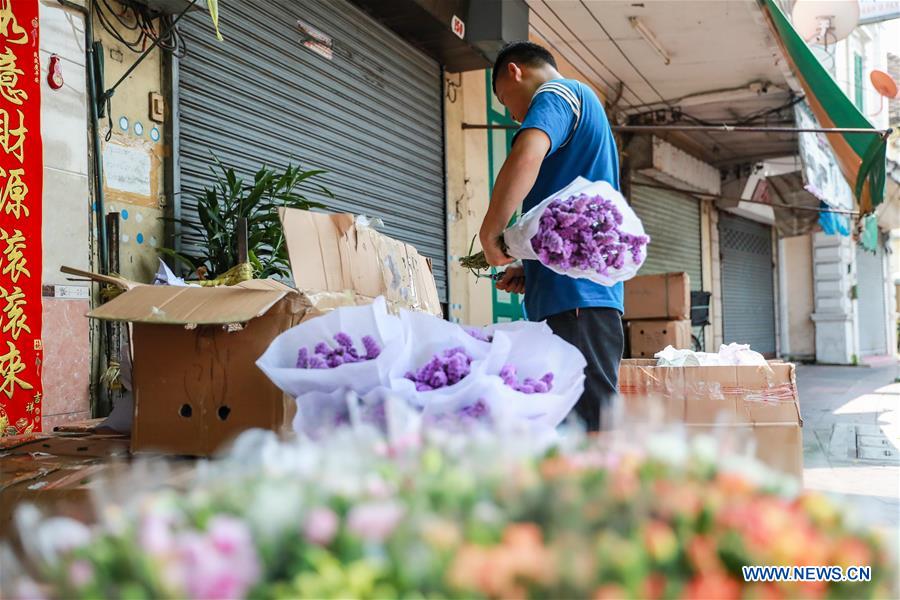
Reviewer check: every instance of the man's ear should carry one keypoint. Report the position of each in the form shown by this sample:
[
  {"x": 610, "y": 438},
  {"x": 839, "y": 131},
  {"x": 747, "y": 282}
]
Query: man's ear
[{"x": 514, "y": 71}]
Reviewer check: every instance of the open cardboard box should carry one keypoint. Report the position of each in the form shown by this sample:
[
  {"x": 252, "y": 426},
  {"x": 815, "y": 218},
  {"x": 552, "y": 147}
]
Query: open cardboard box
[
  {"x": 758, "y": 401},
  {"x": 196, "y": 384}
]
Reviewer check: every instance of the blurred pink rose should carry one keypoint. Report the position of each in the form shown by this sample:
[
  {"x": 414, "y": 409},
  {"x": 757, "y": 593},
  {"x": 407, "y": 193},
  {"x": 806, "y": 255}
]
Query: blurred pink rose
[
  {"x": 321, "y": 526},
  {"x": 374, "y": 521},
  {"x": 81, "y": 573},
  {"x": 220, "y": 564}
]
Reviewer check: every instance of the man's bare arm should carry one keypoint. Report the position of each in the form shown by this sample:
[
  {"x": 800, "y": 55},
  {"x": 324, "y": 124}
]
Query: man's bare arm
[{"x": 515, "y": 180}]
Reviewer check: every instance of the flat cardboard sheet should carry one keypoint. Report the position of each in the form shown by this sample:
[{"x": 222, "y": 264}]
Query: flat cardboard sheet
[
  {"x": 761, "y": 400},
  {"x": 170, "y": 305},
  {"x": 331, "y": 255}
]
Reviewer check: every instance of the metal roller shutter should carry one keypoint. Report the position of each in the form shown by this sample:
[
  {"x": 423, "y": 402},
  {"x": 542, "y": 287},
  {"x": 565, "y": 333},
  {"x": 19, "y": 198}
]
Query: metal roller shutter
[
  {"x": 672, "y": 221},
  {"x": 371, "y": 115},
  {"x": 748, "y": 289}
]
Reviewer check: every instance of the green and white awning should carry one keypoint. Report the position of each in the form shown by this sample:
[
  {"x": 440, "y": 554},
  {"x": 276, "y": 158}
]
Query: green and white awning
[{"x": 861, "y": 157}]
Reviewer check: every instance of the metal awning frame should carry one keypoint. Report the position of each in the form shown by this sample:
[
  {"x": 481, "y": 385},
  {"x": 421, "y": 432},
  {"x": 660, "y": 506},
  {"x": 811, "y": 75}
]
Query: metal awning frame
[{"x": 882, "y": 133}]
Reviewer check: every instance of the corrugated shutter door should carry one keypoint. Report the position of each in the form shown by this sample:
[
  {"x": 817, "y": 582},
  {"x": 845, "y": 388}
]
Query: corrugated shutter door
[
  {"x": 672, "y": 221},
  {"x": 870, "y": 282},
  {"x": 371, "y": 116},
  {"x": 748, "y": 290}
]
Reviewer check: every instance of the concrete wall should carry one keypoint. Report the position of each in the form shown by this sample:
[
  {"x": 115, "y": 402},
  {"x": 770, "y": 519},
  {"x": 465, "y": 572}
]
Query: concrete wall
[
  {"x": 799, "y": 332},
  {"x": 132, "y": 159},
  {"x": 835, "y": 314},
  {"x": 66, "y": 218}
]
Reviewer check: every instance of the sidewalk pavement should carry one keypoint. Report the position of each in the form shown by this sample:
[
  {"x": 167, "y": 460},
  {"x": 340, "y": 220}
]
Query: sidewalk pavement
[{"x": 851, "y": 439}]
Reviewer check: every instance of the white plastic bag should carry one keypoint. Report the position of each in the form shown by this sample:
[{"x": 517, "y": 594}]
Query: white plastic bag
[
  {"x": 279, "y": 361},
  {"x": 533, "y": 353},
  {"x": 426, "y": 336},
  {"x": 518, "y": 236},
  {"x": 740, "y": 354}
]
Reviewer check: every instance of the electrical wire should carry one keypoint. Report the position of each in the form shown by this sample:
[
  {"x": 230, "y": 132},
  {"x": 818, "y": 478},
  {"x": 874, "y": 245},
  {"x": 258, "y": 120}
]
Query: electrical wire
[
  {"x": 546, "y": 38},
  {"x": 138, "y": 18},
  {"x": 621, "y": 81}
]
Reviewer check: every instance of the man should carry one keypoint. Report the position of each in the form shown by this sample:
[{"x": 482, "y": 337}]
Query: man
[{"x": 564, "y": 134}]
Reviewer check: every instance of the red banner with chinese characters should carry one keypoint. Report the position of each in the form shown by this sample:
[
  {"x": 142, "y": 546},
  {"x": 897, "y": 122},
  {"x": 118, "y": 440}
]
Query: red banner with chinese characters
[{"x": 21, "y": 182}]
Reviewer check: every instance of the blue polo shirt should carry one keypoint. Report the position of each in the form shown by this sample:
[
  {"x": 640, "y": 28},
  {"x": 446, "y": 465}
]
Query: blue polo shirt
[{"x": 581, "y": 143}]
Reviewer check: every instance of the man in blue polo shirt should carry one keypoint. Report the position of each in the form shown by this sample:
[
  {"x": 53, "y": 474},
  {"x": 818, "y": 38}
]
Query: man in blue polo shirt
[{"x": 564, "y": 134}]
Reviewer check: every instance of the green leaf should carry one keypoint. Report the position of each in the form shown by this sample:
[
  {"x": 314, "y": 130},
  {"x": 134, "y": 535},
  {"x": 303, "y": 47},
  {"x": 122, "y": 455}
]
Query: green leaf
[
  {"x": 183, "y": 222},
  {"x": 174, "y": 254},
  {"x": 213, "y": 6}
]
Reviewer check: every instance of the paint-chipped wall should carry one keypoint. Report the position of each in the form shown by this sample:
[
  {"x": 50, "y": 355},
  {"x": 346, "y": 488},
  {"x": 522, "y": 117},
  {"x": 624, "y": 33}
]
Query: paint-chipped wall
[
  {"x": 133, "y": 158},
  {"x": 467, "y": 192},
  {"x": 66, "y": 218}
]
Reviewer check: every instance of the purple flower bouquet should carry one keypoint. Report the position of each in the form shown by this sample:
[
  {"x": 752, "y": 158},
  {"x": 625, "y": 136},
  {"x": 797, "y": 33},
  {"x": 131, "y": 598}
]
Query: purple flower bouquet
[
  {"x": 441, "y": 360},
  {"x": 351, "y": 347},
  {"x": 586, "y": 230}
]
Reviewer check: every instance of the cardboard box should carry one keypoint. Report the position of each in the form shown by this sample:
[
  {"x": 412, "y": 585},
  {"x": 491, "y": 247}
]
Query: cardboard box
[
  {"x": 758, "y": 402},
  {"x": 646, "y": 338},
  {"x": 196, "y": 384},
  {"x": 664, "y": 296}
]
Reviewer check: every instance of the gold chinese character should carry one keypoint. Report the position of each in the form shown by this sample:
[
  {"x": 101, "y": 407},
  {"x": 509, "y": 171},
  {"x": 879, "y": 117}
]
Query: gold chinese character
[
  {"x": 14, "y": 311},
  {"x": 7, "y": 18},
  {"x": 15, "y": 259},
  {"x": 13, "y": 140},
  {"x": 10, "y": 366},
  {"x": 12, "y": 194},
  {"x": 9, "y": 77}
]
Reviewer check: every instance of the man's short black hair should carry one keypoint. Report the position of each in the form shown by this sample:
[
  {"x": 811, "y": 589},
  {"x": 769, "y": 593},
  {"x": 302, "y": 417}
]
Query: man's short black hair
[{"x": 522, "y": 53}]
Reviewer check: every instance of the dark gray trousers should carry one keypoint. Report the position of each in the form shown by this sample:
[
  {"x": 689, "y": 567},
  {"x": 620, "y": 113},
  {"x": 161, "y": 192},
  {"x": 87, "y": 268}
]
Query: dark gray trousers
[{"x": 598, "y": 333}]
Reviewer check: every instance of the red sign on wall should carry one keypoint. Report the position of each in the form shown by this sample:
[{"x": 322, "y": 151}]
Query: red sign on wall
[
  {"x": 21, "y": 181},
  {"x": 458, "y": 27}
]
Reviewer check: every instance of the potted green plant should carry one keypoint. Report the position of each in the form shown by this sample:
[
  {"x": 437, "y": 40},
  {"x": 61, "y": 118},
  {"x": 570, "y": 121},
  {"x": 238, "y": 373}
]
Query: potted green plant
[{"x": 223, "y": 206}]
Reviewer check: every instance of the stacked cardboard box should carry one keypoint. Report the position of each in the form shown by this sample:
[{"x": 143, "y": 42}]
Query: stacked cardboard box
[{"x": 658, "y": 313}]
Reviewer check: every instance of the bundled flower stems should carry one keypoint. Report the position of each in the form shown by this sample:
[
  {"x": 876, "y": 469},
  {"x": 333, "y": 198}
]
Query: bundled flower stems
[{"x": 586, "y": 230}]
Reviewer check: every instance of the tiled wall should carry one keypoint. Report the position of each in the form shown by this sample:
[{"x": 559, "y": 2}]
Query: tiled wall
[{"x": 66, "y": 220}]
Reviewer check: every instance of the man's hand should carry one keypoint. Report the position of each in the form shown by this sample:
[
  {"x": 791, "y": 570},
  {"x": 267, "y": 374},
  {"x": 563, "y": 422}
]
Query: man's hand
[
  {"x": 492, "y": 251},
  {"x": 513, "y": 281}
]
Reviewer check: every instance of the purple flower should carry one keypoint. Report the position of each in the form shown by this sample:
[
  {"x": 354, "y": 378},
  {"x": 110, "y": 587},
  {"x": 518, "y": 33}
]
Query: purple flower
[
  {"x": 371, "y": 346},
  {"x": 478, "y": 334},
  {"x": 529, "y": 385},
  {"x": 326, "y": 357},
  {"x": 343, "y": 340},
  {"x": 446, "y": 368}
]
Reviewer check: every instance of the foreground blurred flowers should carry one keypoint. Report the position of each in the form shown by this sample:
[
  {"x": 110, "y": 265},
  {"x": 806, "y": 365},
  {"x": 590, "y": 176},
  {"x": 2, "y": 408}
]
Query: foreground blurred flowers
[{"x": 437, "y": 514}]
